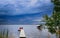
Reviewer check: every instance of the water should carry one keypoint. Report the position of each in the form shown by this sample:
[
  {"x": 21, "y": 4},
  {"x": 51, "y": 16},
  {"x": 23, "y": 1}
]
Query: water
[{"x": 30, "y": 30}]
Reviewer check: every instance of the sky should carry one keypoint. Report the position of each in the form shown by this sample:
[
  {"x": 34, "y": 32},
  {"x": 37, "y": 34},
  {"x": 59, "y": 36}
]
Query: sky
[{"x": 19, "y": 11}]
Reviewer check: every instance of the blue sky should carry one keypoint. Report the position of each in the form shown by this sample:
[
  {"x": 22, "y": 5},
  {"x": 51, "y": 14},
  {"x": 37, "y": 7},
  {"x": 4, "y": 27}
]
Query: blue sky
[{"x": 34, "y": 8}]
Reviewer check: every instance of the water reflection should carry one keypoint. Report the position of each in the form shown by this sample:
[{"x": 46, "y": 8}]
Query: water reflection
[{"x": 31, "y": 31}]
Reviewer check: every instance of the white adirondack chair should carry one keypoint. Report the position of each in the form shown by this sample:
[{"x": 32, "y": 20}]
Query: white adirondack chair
[{"x": 22, "y": 33}]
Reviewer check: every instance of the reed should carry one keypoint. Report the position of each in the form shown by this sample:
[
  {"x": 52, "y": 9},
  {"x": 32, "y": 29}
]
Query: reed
[{"x": 4, "y": 33}]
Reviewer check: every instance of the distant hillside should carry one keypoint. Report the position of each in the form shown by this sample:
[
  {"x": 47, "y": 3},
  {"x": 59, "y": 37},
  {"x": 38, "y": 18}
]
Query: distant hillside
[{"x": 21, "y": 19}]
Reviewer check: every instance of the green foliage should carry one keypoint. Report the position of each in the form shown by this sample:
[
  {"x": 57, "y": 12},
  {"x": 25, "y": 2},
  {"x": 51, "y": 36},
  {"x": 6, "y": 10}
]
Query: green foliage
[
  {"x": 56, "y": 5},
  {"x": 50, "y": 24},
  {"x": 52, "y": 30},
  {"x": 54, "y": 20}
]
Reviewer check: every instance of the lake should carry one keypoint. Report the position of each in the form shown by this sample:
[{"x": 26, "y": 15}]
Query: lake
[{"x": 31, "y": 31}]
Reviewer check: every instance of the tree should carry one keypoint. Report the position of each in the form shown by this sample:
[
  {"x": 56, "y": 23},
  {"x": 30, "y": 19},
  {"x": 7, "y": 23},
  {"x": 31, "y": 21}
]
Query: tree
[{"x": 53, "y": 22}]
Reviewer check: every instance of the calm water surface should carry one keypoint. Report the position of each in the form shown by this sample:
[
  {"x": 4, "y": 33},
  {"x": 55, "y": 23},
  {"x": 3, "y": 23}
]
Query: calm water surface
[{"x": 30, "y": 30}]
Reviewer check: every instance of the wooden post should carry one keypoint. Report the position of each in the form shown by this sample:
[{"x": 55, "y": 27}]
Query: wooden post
[{"x": 48, "y": 35}]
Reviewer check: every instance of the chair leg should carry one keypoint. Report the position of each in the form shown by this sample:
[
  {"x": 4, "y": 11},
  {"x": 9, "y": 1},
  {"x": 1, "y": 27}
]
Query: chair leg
[{"x": 22, "y": 37}]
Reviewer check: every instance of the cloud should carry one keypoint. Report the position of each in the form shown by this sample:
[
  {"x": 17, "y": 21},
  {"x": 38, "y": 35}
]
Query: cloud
[
  {"x": 38, "y": 19},
  {"x": 17, "y": 7}
]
